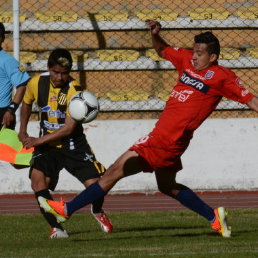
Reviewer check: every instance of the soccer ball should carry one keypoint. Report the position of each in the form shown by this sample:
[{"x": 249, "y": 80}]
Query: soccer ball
[{"x": 84, "y": 107}]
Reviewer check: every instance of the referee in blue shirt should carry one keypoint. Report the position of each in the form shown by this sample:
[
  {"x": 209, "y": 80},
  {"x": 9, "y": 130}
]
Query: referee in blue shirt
[{"x": 12, "y": 75}]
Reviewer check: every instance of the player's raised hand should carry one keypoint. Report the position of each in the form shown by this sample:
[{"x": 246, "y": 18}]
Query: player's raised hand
[{"x": 154, "y": 26}]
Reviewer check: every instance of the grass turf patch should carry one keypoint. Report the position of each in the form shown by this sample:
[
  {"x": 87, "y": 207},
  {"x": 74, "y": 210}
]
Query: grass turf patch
[{"x": 136, "y": 234}]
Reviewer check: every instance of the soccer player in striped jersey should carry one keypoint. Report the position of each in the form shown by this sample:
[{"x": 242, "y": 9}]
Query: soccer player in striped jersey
[{"x": 61, "y": 143}]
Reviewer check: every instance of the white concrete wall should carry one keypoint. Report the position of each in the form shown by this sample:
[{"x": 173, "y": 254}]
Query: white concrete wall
[{"x": 222, "y": 155}]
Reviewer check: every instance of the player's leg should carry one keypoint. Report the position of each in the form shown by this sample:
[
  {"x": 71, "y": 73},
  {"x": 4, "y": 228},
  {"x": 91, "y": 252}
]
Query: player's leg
[
  {"x": 40, "y": 184},
  {"x": 82, "y": 164},
  {"x": 127, "y": 164},
  {"x": 44, "y": 173},
  {"x": 166, "y": 180}
]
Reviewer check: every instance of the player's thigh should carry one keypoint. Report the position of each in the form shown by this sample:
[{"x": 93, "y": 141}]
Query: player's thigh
[
  {"x": 129, "y": 163},
  {"x": 83, "y": 165},
  {"x": 46, "y": 163}
]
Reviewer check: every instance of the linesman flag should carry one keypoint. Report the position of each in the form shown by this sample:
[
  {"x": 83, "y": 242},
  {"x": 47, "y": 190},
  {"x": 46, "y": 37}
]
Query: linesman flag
[{"x": 12, "y": 150}]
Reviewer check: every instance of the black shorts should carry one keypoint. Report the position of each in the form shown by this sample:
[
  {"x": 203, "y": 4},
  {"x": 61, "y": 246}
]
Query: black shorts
[
  {"x": 2, "y": 112},
  {"x": 81, "y": 163}
]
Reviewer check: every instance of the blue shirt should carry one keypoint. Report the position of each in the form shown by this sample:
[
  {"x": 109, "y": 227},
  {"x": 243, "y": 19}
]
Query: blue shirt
[{"x": 11, "y": 74}]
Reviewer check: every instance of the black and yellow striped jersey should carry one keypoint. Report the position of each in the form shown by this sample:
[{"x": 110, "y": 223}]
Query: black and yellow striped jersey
[{"x": 53, "y": 104}]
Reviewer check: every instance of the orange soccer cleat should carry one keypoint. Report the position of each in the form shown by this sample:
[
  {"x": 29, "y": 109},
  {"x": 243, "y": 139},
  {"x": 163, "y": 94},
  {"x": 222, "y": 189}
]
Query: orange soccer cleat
[
  {"x": 220, "y": 223},
  {"x": 54, "y": 207}
]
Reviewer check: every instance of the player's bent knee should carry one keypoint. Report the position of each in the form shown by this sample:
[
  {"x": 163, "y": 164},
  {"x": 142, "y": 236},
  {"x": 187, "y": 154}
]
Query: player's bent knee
[{"x": 115, "y": 172}]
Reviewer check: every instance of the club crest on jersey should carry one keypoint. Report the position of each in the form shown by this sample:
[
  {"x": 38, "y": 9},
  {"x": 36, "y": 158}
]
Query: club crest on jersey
[
  {"x": 62, "y": 99},
  {"x": 209, "y": 74},
  {"x": 194, "y": 83}
]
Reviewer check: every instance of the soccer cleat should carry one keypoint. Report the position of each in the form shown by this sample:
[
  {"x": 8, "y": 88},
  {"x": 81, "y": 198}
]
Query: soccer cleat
[
  {"x": 58, "y": 233},
  {"x": 103, "y": 220},
  {"x": 220, "y": 223},
  {"x": 54, "y": 207}
]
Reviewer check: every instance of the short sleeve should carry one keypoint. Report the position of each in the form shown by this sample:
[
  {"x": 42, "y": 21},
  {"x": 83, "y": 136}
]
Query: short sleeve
[
  {"x": 16, "y": 72},
  {"x": 177, "y": 55},
  {"x": 32, "y": 87},
  {"x": 234, "y": 89}
]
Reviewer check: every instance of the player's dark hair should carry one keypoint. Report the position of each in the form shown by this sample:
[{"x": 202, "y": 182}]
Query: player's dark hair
[
  {"x": 60, "y": 56},
  {"x": 2, "y": 30},
  {"x": 213, "y": 46}
]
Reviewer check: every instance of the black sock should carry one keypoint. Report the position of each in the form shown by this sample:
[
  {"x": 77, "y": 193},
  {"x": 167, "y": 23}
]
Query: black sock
[
  {"x": 50, "y": 218},
  {"x": 97, "y": 205}
]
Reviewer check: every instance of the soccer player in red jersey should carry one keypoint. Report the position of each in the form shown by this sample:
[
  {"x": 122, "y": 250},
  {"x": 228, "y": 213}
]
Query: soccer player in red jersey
[{"x": 202, "y": 84}]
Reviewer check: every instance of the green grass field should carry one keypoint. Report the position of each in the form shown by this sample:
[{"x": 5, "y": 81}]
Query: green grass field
[{"x": 136, "y": 234}]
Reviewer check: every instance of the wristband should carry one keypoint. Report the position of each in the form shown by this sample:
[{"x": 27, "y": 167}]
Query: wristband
[{"x": 12, "y": 108}]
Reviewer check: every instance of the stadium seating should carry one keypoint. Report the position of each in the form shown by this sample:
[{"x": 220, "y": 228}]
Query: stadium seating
[
  {"x": 253, "y": 52},
  {"x": 58, "y": 16},
  {"x": 248, "y": 13},
  {"x": 208, "y": 13},
  {"x": 8, "y": 17},
  {"x": 117, "y": 55},
  {"x": 162, "y": 94},
  {"x": 79, "y": 56},
  {"x": 112, "y": 41},
  {"x": 153, "y": 55},
  {"x": 107, "y": 15},
  {"x": 26, "y": 57},
  {"x": 229, "y": 53},
  {"x": 127, "y": 95},
  {"x": 157, "y": 14}
]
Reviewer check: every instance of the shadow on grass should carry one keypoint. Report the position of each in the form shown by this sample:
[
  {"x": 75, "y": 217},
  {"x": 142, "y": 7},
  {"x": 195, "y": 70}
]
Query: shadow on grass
[{"x": 116, "y": 235}]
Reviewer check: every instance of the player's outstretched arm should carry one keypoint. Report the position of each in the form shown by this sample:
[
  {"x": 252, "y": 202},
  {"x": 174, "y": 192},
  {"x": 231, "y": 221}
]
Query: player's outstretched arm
[
  {"x": 158, "y": 43},
  {"x": 253, "y": 104},
  {"x": 63, "y": 131}
]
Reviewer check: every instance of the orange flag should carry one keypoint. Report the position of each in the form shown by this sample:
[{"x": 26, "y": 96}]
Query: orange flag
[{"x": 12, "y": 150}]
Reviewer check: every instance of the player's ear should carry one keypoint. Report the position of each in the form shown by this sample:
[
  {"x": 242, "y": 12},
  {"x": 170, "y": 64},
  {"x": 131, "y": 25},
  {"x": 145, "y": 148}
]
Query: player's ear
[{"x": 213, "y": 58}]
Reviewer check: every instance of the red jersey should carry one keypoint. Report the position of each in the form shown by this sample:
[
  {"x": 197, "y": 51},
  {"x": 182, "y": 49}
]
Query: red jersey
[{"x": 195, "y": 96}]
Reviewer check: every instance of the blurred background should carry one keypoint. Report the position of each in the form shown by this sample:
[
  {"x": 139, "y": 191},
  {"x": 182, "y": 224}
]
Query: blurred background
[{"x": 112, "y": 49}]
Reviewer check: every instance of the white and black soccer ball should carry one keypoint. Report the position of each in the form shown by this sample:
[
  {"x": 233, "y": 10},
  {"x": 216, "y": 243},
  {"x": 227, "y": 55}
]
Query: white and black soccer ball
[{"x": 84, "y": 107}]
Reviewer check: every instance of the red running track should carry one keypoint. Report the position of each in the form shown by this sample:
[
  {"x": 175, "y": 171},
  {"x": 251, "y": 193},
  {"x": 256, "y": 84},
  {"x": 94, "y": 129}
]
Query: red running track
[{"x": 26, "y": 203}]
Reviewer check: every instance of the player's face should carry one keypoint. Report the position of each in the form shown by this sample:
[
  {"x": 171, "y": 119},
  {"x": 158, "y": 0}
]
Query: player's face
[
  {"x": 201, "y": 58},
  {"x": 59, "y": 75}
]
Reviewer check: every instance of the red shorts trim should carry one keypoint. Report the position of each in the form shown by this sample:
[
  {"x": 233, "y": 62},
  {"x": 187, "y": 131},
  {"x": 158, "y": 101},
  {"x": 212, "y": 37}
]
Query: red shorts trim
[{"x": 156, "y": 154}]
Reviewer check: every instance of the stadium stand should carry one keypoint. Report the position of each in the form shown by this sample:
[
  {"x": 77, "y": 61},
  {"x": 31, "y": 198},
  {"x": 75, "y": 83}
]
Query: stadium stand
[
  {"x": 112, "y": 49},
  {"x": 208, "y": 13},
  {"x": 125, "y": 95},
  {"x": 157, "y": 14},
  {"x": 253, "y": 52},
  {"x": 7, "y": 17},
  {"x": 117, "y": 55},
  {"x": 229, "y": 53},
  {"x": 248, "y": 13},
  {"x": 59, "y": 16}
]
